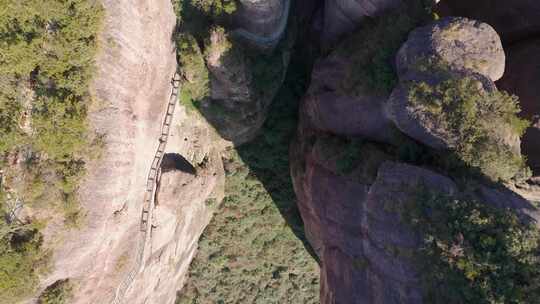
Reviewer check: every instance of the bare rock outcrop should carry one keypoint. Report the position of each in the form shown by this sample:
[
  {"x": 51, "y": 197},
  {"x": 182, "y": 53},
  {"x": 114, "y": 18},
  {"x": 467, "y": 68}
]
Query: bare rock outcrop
[
  {"x": 459, "y": 43},
  {"x": 189, "y": 188},
  {"x": 343, "y": 16},
  {"x": 513, "y": 20}
]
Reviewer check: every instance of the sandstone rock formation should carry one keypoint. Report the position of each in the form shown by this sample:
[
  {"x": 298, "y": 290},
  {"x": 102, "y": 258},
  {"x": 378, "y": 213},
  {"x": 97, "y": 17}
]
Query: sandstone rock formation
[
  {"x": 133, "y": 86},
  {"x": 352, "y": 193},
  {"x": 458, "y": 42},
  {"x": 513, "y": 20},
  {"x": 343, "y": 16}
]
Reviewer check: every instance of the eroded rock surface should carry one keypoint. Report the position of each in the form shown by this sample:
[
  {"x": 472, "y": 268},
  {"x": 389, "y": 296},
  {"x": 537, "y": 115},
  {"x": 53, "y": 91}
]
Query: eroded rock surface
[{"x": 458, "y": 42}]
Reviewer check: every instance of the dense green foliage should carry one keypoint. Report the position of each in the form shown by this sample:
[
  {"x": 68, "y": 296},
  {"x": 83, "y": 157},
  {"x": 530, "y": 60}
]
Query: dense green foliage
[
  {"x": 196, "y": 86},
  {"x": 479, "y": 121},
  {"x": 47, "y": 50},
  {"x": 61, "y": 292},
  {"x": 372, "y": 48},
  {"x": 254, "y": 250},
  {"x": 21, "y": 257},
  {"x": 475, "y": 253}
]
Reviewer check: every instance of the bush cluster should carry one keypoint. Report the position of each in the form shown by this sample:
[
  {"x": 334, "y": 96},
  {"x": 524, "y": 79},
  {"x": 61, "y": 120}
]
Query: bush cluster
[
  {"x": 474, "y": 253},
  {"x": 46, "y": 61},
  {"x": 372, "y": 48},
  {"x": 61, "y": 292},
  {"x": 479, "y": 121}
]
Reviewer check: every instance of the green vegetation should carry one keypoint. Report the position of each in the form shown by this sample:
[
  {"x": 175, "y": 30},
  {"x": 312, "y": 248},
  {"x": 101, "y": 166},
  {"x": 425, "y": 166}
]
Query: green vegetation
[
  {"x": 475, "y": 253},
  {"x": 61, "y": 292},
  {"x": 371, "y": 49},
  {"x": 479, "y": 121},
  {"x": 21, "y": 256},
  {"x": 254, "y": 250},
  {"x": 46, "y": 62}
]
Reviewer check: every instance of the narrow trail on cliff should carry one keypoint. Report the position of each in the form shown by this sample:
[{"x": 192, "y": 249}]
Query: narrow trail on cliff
[{"x": 147, "y": 218}]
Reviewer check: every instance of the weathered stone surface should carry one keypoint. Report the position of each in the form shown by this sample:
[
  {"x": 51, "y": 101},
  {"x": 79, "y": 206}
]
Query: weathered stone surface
[
  {"x": 343, "y": 16},
  {"x": 513, "y": 20},
  {"x": 522, "y": 78},
  {"x": 459, "y": 43},
  {"x": 327, "y": 108}
]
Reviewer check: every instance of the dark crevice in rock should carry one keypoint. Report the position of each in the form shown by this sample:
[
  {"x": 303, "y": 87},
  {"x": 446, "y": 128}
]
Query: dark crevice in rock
[{"x": 174, "y": 161}]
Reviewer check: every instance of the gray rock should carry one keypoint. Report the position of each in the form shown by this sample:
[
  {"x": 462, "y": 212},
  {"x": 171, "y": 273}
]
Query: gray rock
[{"x": 459, "y": 43}]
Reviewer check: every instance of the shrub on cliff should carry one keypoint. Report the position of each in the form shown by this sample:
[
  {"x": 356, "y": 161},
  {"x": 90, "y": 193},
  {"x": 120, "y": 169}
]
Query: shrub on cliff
[
  {"x": 482, "y": 125},
  {"x": 60, "y": 292},
  {"x": 196, "y": 86},
  {"x": 475, "y": 253},
  {"x": 372, "y": 48},
  {"x": 21, "y": 257}
]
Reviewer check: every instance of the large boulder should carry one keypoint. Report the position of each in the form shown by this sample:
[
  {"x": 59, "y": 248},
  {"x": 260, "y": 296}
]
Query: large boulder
[
  {"x": 355, "y": 219},
  {"x": 459, "y": 43},
  {"x": 353, "y": 222},
  {"x": 343, "y": 16},
  {"x": 513, "y": 20},
  {"x": 522, "y": 77}
]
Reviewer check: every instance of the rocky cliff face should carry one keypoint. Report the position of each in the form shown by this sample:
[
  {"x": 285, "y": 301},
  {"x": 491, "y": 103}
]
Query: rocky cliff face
[
  {"x": 352, "y": 186},
  {"x": 133, "y": 86}
]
